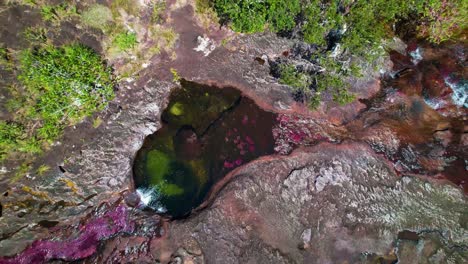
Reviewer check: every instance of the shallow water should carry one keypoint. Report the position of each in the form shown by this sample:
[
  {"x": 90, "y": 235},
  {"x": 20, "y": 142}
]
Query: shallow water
[{"x": 207, "y": 132}]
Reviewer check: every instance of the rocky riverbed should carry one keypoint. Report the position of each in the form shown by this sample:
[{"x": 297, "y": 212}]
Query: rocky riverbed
[{"x": 381, "y": 180}]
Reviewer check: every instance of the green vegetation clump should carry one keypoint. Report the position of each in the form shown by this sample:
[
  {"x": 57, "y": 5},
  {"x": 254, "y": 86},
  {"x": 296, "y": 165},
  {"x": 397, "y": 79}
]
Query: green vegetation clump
[
  {"x": 253, "y": 16},
  {"x": 353, "y": 28},
  {"x": 35, "y": 35},
  {"x": 61, "y": 86},
  {"x": 295, "y": 79},
  {"x": 158, "y": 164},
  {"x": 57, "y": 13},
  {"x": 125, "y": 41},
  {"x": 97, "y": 16},
  {"x": 311, "y": 86}
]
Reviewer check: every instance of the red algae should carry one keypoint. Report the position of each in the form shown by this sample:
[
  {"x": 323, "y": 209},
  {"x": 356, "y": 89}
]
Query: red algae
[
  {"x": 84, "y": 245},
  {"x": 293, "y": 131}
]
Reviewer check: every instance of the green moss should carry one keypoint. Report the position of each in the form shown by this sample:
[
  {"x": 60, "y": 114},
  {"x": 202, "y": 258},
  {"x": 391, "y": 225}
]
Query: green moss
[
  {"x": 177, "y": 109},
  {"x": 10, "y": 135},
  {"x": 157, "y": 164},
  {"x": 169, "y": 189},
  {"x": 42, "y": 169}
]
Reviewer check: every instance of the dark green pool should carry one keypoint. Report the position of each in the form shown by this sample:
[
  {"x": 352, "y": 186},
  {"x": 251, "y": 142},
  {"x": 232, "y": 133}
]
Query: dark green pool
[{"x": 207, "y": 132}]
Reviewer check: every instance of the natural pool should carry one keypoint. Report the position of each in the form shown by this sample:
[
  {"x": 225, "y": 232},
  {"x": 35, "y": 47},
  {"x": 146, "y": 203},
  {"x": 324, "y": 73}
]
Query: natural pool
[{"x": 207, "y": 131}]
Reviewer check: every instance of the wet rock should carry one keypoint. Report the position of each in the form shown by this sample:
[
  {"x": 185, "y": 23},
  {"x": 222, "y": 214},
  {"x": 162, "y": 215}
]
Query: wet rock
[
  {"x": 360, "y": 211},
  {"x": 107, "y": 159},
  {"x": 132, "y": 200},
  {"x": 445, "y": 137},
  {"x": 428, "y": 247},
  {"x": 84, "y": 245}
]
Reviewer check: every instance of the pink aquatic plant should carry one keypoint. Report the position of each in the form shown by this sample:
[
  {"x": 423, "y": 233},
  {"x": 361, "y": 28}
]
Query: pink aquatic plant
[{"x": 83, "y": 245}]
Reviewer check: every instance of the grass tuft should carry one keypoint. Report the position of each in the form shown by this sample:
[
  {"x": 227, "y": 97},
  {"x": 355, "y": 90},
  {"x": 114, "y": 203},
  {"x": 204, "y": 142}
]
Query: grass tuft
[
  {"x": 61, "y": 86},
  {"x": 125, "y": 41},
  {"x": 97, "y": 16}
]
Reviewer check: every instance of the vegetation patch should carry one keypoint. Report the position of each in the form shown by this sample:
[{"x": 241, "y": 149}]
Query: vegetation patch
[
  {"x": 59, "y": 87},
  {"x": 254, "y": 16},
  {"x": 57, "y": 13},
  {"x": 97, "y": 16},
  {"x": 125, "y": 41},
  {"x": 340, "y": 30}
]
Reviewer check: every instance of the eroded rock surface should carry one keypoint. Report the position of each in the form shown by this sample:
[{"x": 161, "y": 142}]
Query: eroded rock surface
[
  {"x": 345, "y": 194},
  {"x": 330, "y": 204}
]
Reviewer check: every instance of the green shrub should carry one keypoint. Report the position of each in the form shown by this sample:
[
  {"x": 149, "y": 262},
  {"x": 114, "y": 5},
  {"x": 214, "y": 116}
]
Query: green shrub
[
  {"x": 62, "y": 85},
  {"x": 253, "y": 16},
  {"x": 125, "y": 41},
  {"x": 290, "y": 76}
]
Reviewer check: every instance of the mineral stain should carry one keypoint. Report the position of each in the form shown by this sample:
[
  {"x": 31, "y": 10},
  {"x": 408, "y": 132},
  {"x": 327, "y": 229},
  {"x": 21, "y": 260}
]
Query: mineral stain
[{"x": 207, "y": 131}]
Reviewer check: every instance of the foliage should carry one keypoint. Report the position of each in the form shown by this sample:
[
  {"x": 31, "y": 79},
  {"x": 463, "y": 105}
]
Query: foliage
[
  {"x": 35, "y": 34},
  {"x": 253, "y": 16},
  {"x": 62, "y": 85},
  {"x": 42, "y": 169},
  {"x": 5, "y": 59},
  {"x": 10, "y": 133},
  {"x": 125, "y": 41},
  {"x": 312, "y": 85},
  {"x": 444, "y": 19},
  {"x": 97, "y": 16},
  {"x": 350, "y": 28},
  {"x": 55, "y": 13},
  {"x": 290, "y": 76},
  {"x": 157, "y": 10},
  {"x": 175, "y": 75},
  {"x": 205, "y": 13}
]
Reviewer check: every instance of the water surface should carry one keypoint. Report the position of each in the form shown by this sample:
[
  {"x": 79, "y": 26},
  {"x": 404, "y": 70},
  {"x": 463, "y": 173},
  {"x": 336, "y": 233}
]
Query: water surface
[{"x": 207, "y": 132}]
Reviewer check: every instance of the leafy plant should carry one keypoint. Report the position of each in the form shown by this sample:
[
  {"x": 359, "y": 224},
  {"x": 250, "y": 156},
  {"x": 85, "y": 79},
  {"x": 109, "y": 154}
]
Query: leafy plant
[
  {"x": 443, "y": 19},
  {"x": 251, "y": 16},
  {"x": 290, "y": 76}
]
